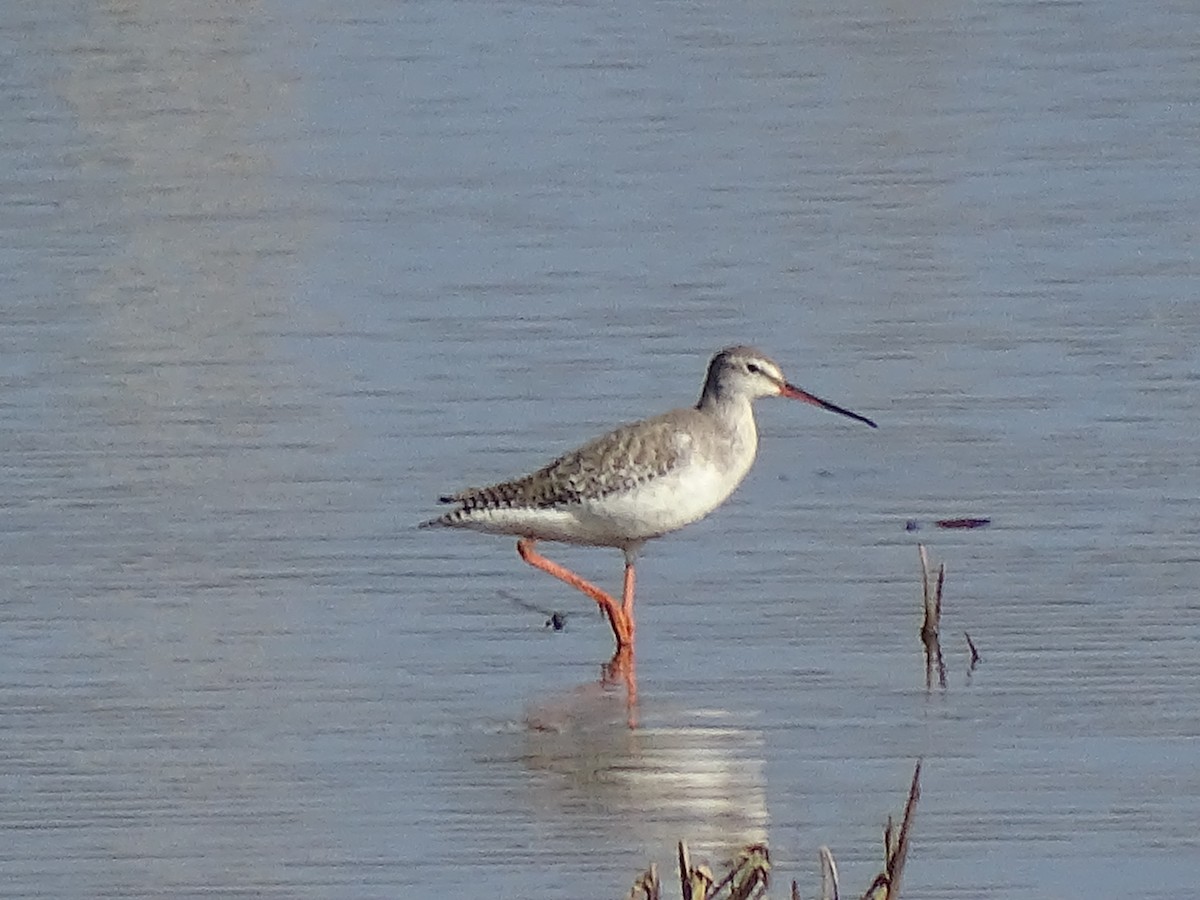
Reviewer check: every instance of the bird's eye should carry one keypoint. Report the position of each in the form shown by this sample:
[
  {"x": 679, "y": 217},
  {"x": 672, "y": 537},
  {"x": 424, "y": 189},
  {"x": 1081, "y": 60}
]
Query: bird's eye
[{"x": 753, "y": 369}]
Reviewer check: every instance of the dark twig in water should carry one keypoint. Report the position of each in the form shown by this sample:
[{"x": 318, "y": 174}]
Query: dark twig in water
[
  {"x": 932, "y": 592},
  {"x": 976, "y": 659}
]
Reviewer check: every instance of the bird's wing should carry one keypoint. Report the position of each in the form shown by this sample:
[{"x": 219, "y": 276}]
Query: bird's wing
[{"x": 614, "y": 462}]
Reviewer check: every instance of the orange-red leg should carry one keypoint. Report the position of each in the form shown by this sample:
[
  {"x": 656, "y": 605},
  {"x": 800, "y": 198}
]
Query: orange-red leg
[
  {"x": 627, "y": 597},
  {"x": 620, "y": 616}
]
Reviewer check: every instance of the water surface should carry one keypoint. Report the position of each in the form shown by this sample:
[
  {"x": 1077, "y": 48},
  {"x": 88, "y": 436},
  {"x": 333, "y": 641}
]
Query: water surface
[{"x": 276, "y": 275}]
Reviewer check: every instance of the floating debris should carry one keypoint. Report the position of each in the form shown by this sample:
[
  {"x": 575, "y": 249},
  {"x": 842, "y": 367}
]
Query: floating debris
[
  {"x": 915, "y": 524},
  {"x": 962, "y": 523}
]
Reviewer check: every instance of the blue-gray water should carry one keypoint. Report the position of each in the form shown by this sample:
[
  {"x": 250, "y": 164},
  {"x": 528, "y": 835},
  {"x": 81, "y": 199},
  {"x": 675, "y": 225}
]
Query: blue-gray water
[{"x": 276, "y": 274}]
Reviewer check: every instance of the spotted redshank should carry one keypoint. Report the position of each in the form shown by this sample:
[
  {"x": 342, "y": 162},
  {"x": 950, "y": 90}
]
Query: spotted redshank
[{"x": 638, "y": 482}]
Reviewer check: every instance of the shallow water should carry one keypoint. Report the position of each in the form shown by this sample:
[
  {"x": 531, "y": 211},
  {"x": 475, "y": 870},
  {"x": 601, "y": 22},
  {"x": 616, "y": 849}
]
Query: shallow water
[{"x": 276, "y": 275}]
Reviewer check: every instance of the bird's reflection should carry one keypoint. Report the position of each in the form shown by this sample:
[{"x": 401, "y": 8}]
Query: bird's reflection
[
  {"x": 687, "y": 774},
  {"x": 621, "y": 671}
]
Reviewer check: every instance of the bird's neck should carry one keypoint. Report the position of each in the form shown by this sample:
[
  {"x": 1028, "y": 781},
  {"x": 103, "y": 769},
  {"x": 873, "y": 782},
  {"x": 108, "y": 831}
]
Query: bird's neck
[{"x": 732, "y": 412}]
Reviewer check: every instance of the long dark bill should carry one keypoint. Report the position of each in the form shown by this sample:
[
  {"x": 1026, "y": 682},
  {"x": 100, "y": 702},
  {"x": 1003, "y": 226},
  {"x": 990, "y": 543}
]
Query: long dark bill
[{"x": 790, "y": 390}]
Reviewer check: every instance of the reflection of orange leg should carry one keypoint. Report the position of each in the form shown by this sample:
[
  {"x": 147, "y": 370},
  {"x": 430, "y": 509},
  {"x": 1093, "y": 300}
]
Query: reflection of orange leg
[
  {"x": 619, "y": 617},
  {"x": 621, "y": 668}
]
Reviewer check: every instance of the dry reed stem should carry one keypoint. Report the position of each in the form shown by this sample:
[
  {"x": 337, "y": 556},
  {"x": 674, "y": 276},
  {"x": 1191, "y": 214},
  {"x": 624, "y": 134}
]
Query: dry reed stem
[
  {"x": 898, "y": 853},
  {"x": 829, "y": 874},
  {"x": 749, "y": 875},
  {"x": 694, "y": 881},
  {"x": 886, "y": 885},
  {"x": 647, "y": 886}
]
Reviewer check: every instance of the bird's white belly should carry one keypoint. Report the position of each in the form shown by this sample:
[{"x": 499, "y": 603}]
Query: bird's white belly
[{"x": 658, "y": 506}]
